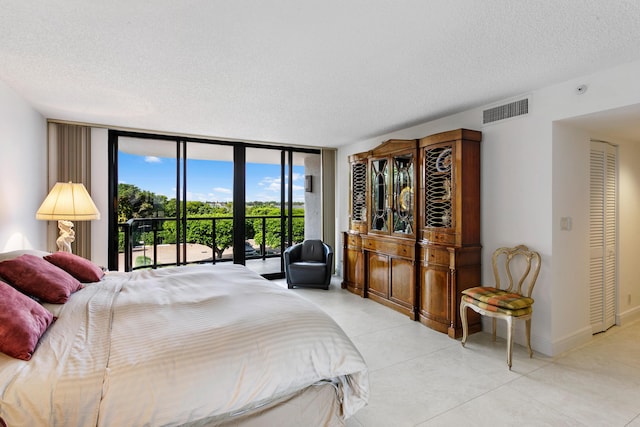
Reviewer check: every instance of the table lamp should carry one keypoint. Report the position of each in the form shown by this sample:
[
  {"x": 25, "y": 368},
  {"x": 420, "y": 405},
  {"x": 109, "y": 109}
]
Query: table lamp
[{"x": 67, "y": 202}]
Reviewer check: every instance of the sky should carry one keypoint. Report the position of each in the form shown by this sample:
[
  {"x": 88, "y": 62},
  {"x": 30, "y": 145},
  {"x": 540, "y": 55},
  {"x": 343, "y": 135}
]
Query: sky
[{"x": 207, "y": 180}]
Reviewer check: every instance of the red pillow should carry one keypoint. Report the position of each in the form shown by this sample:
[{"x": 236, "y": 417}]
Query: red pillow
[
  {"x": 22, "y": 323},
  {"x": 36, "y": 277},
  {"x": 80, "y": 268}
]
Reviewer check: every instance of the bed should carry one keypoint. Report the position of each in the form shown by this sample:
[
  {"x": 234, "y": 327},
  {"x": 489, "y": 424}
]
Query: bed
[{"x": 185, "y": 346}]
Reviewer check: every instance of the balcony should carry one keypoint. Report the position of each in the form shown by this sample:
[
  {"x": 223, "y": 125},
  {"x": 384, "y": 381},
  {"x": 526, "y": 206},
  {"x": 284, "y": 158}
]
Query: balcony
[{"x": 151, "y": 242}]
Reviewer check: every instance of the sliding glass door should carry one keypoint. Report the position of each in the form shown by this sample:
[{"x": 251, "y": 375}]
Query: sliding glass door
[
  {"x": 146, "y": 203},
  {"x": 275, "y": 205},
  {"x": 178, "y": 201},
  {"x": 207, "y": 211}
]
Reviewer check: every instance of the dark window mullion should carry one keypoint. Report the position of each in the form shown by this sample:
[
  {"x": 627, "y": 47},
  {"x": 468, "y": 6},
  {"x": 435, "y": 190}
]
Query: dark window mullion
[
  {"x": 113, "y": 238},
  {"x": 178, "y": 207},
  {"x": 290, "y": 201},
  {"x": 283, "y": 223},
  {"x": 239, "y": 196},
  {"x": 184, "y": 200}
]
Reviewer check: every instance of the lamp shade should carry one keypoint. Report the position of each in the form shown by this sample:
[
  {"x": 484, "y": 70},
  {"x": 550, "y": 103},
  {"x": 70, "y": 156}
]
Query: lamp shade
[{"x": 69, "y": 201}]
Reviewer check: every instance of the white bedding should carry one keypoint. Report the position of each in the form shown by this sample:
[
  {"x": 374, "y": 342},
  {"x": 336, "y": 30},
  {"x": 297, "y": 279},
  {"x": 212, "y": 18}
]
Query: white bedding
[{"x": 177, "y": 345}]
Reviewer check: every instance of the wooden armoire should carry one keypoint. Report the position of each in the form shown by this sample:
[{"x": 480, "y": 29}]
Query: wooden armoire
[{"x": 414, "y": 243}]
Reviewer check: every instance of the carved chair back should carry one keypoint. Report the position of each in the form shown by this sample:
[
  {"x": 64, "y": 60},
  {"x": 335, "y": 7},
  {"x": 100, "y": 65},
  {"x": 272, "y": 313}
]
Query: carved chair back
[{"x": 518, "y": 262}]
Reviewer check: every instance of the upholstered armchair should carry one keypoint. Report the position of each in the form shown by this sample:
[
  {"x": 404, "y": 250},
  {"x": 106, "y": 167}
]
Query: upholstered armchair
[{"x": 308, "y": 264}]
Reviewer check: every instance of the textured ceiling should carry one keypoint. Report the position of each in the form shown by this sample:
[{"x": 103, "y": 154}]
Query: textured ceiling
[{"x": 320, "y": 72}]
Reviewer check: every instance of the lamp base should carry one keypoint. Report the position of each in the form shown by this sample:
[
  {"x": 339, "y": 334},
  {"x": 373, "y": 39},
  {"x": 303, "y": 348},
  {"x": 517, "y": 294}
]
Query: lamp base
[{"x": 67, "y": 236}]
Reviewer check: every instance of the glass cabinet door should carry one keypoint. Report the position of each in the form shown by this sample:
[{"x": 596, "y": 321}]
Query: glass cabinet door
[
  {"x": 379, "y": 197},
  {"x": 403, "y": 194},
  {"x": 438, "y": 187},
  {"x": 358, "y": 192}
]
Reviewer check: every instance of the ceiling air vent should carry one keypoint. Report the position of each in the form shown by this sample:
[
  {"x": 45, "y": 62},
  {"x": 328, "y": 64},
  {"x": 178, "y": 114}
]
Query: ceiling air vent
[{"x": 505, "y": 111}]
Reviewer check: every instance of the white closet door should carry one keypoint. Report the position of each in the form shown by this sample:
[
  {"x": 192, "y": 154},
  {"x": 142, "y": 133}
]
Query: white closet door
[{"x": 603, "y": 235}]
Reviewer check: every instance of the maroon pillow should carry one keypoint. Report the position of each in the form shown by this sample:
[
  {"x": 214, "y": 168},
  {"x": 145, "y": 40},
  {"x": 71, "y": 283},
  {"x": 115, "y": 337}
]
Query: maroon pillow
[
  {"x": 80, "y": 268},
  {"x": 36, "y": 277},
  {"x": 22, "y": 323}
]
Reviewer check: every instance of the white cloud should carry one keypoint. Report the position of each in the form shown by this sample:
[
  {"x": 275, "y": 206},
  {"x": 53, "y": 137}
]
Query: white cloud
[
  {"x": 269, "y": 188},
  {"x": 223, "y": 190},
  {"x": 152, "y": 159},
  {"x": 198, "y": 197}
]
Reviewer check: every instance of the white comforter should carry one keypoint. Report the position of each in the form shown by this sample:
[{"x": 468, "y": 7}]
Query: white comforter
[{"x": 176, "y": 345}]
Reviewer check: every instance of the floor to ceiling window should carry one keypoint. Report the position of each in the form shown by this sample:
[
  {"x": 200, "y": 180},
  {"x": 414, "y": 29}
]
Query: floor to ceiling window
[{"x": 183, "y": 200}]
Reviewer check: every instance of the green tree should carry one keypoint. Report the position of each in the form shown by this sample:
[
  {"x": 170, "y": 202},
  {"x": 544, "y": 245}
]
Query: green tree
[
  {"x": 201, "y": 232},
  {"x": 273, "y": 231},
  {"x": 136, "y": 203}
]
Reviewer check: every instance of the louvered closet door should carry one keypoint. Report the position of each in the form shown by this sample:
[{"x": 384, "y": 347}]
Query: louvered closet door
[{"x": 603, "y": 235}]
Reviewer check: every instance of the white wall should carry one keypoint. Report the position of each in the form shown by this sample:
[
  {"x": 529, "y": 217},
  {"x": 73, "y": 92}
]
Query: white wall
[
  {"x": 535, "y": 171},
  {"x": 312, "y": 200},
  {"x": 629, "y": 229},
  {"x": 571, "y": 247},
  {"x": 23, "y": 173}
]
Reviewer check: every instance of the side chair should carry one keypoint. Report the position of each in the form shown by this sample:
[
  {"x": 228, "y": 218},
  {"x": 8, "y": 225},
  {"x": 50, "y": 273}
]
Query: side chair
[{"x": 510, "y": 302}]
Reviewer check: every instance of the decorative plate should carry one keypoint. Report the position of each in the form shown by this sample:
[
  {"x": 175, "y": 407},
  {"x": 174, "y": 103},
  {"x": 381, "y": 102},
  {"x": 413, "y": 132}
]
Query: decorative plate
[
  {"x": 443, "y": 162},
  {"x": 406, "y": 198}
]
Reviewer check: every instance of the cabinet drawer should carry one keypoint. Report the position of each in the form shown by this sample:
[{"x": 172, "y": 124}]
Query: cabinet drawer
[
  {"x": 390, "y": 248},
  {"x": 353, "y": 240},
  {"x": 435, "y": 256},
  {"x": 440, "y": 237},
  {"x": 404, "y": 251}
]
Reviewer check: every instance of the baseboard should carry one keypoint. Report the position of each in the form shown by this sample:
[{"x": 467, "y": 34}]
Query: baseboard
[
  {"x": 628, "y": 316},
  {"x": 571, "y": 341},
  {"x": 585, "y": 335},
  {"x": 541, "y": 344}
]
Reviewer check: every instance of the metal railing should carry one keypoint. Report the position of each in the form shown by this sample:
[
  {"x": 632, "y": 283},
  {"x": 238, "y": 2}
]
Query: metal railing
[{"x": 151, "y": 232}]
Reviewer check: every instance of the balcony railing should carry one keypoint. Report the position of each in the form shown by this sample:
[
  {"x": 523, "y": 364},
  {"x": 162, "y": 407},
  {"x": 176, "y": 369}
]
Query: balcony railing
[{"x": 148, "y": 235}]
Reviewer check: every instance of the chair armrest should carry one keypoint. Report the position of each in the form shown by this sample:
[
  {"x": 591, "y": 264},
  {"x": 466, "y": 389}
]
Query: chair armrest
[
  {"x": 328, "y": 256},
  {"x": 328, "y": 253}
]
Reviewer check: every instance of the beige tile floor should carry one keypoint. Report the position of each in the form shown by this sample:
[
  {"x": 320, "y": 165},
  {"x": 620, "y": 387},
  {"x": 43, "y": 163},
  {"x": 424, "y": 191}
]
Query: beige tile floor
[{"x": 420, "y": 377}]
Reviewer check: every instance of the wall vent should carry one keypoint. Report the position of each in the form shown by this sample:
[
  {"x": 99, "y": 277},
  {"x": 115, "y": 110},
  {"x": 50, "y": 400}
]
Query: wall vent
[{"x": 505, "y": 111}]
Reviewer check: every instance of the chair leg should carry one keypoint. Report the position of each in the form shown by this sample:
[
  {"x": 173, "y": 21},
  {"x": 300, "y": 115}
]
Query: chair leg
[
  {"x": 463, "y": 320},
  {"x": 528, "y": 330},
  {"x": 509, "y": 340},
  {"x": 493, "y": 328}
]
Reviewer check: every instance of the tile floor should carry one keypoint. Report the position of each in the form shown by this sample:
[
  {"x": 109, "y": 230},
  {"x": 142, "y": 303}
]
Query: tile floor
[{"x": 420, "y": 377}]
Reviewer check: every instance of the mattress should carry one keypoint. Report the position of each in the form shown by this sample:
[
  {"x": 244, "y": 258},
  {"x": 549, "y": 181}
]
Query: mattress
[{"x": 196, "y": 345}]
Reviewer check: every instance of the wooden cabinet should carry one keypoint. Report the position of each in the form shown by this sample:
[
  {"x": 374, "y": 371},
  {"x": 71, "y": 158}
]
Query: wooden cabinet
[
  {"x": 415, "y": 244},
  {"x": 449, "y": 241},
  {"x": 390, "y": 243},
  {"x": 390, "y": 274}
]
